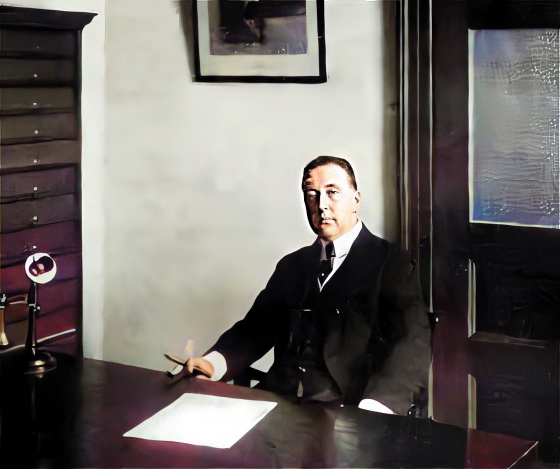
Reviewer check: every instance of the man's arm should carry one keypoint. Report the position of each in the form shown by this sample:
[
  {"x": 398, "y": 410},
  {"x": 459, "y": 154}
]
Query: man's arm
[
  {"x": 404, "y": 324},
  {"x": 254, "y": 335}
]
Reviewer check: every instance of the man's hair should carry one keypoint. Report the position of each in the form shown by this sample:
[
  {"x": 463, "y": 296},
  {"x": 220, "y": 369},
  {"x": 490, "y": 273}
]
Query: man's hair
[{"x": 326, "y": 160}]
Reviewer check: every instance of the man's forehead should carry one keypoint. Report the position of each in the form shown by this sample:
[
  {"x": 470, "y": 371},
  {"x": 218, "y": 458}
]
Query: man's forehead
[
  {"x": 312, "y": 183},
  {"x": 327, "y": 176}
]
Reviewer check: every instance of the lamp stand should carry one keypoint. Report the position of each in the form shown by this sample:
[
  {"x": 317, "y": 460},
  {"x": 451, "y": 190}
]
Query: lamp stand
[{"x": 38, "y": 362}]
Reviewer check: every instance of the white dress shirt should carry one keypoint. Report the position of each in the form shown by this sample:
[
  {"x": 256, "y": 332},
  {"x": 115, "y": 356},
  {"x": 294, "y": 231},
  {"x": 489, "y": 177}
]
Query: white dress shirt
[{"x": 342, "y": 246}]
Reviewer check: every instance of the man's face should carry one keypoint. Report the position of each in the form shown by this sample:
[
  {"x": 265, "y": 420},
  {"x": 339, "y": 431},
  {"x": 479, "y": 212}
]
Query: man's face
[{"x": 330, "y": 201}]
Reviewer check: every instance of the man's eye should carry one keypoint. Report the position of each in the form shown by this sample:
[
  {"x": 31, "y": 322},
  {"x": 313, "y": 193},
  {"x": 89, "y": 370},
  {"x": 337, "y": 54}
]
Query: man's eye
[{"x": 332, "y": 192}]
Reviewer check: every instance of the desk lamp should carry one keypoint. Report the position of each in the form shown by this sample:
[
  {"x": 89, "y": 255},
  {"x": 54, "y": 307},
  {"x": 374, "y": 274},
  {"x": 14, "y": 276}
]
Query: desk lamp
[{"x": 40, "y": 268}]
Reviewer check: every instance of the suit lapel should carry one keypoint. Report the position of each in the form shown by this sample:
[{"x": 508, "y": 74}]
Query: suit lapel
[
  {"x": 347, "y": 277},
  {"x": 346, "y": 330},
  {"x": 351, "y": 271},
  {"x": 310, "y": 271}
]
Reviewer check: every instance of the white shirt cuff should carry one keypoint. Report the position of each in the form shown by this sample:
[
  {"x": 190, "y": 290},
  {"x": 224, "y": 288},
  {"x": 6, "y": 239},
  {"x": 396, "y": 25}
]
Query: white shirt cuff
[
  {"x": 219, "y": 363},
  {"x": 374, "y": 406}
]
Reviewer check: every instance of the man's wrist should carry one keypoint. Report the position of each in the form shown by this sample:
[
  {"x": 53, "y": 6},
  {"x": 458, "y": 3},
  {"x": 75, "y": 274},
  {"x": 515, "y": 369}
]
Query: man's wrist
[
  {"x": 219, "y": 363},
  {"x": 374, "y": 406}
]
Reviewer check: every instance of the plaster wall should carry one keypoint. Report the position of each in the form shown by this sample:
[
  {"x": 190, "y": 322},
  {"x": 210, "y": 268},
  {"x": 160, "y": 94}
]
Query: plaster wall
[{"x": 202, "y": 180}]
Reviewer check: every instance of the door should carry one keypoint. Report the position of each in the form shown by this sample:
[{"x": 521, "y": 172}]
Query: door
[{"x": 484, "y": 165}]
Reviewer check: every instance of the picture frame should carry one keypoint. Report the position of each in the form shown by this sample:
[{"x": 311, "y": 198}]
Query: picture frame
[{"x": 263, "y": 41}]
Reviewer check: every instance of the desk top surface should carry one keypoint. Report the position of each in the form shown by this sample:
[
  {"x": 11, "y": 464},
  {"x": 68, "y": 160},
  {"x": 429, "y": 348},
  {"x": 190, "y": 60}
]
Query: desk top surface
[{"x": 75, "y": 416}]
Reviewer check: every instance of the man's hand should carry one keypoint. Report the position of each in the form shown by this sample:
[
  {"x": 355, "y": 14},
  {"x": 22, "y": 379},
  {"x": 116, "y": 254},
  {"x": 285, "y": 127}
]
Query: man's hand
[
  {"x": 212, "y": 366},
  {"x": 190, "y": 363},
  {"x": 201, "y": 365}
]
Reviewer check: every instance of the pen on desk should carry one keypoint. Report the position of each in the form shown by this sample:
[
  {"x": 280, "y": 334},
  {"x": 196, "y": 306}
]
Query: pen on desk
[
  {"x": 181, "y": 363},
  {"x": 177, "y": 368},
  {"x": 175, "y": 371}
]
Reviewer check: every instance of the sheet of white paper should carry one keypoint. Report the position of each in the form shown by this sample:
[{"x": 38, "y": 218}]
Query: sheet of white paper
[{"x": 203, "y": 420}]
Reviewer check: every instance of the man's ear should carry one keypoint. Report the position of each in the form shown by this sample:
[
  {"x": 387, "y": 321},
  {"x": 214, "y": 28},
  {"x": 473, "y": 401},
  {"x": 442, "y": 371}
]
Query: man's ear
[{"x": 357, "y": 197}]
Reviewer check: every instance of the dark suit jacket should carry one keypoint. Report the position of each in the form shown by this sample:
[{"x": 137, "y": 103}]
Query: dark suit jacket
[{"x": 377, "y": 342}]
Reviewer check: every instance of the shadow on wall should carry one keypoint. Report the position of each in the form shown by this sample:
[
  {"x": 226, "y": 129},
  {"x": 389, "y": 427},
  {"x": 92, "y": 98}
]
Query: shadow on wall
[
  {"x": 391, "y": 138},
  {"x": 185, "y": 10}
]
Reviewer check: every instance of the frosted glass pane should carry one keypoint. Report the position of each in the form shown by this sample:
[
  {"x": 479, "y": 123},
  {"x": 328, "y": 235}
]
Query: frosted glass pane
[{"x": 514, "y": 140}]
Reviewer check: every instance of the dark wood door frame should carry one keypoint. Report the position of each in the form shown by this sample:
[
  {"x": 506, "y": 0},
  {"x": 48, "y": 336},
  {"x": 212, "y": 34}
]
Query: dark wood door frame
[{"x": 435, "y": 221}]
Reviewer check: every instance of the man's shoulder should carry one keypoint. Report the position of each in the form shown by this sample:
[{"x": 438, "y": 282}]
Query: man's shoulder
[
  {"x": 367, "y": 240},
  {"x": 302, "y": 253}
]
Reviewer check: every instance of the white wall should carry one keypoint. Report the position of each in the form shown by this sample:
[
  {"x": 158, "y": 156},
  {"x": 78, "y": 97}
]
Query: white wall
[
  {"x": 202, "y": 180},
  {"x": 93, "y": 147}
]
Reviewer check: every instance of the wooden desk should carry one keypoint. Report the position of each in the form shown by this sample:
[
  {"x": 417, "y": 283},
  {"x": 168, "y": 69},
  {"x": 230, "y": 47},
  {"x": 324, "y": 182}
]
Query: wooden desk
[{"x": 75, "y": 416}]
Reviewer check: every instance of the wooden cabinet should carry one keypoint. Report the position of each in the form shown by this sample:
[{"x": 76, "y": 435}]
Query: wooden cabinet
[{"x": 40, "y": 172}]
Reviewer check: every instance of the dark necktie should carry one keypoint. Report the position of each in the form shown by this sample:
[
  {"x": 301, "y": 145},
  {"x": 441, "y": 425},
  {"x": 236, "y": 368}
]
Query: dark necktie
[{"x": 325, "y": 267}]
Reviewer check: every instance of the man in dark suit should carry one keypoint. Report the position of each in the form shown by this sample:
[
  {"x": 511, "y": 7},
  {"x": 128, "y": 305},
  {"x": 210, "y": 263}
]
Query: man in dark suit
[{"x": 345, "y": 315}]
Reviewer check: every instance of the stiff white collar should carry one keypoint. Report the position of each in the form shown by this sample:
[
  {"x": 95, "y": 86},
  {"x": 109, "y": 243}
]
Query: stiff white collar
[{"x": 342, "y": 244}]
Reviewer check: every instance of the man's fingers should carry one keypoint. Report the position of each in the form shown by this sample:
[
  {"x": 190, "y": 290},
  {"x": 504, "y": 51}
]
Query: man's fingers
[{"x": 201, "y": 365}]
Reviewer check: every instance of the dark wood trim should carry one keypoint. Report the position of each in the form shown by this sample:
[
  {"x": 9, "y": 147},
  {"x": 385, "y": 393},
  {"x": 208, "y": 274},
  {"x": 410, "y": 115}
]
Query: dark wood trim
[
  {"x": 39, "y": 18},
  {"x": 416, "y": 138}
]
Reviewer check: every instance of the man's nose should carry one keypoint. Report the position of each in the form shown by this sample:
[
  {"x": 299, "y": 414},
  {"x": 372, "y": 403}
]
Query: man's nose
[{"x": 322, "y": 202}]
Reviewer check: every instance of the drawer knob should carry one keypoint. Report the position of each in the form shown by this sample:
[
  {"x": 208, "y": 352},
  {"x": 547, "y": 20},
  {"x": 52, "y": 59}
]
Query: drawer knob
[{"x": 35, "y": 218}]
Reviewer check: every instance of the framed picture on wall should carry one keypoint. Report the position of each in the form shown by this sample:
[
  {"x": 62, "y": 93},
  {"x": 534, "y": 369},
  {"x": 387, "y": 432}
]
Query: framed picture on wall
[{"x": 271, "y": 41}]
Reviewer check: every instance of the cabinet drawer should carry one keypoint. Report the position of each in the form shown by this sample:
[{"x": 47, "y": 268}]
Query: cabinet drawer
[
  {"x": 37, "y": 42},
  {"x": 13, "y": 280},
  {"x": 59, "y": 301},
  {"x": 60, "y": 305},
  {"x": 37, "y": 184},
  {"x": 39, "y": 212},
  {"x": 14, "y": 72},
  {"x": 43, "y": 153},
  {"x": 37, "y": 127},
  {"x": 16, "y": 310},
  {"x": 56, "y": 239},
  {"x": 56, "y": 322},
  {"x": 18, "y": 100}
]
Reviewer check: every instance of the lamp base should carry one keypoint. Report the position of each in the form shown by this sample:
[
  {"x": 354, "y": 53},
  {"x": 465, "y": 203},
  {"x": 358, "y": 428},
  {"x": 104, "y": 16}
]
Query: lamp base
[{"x": 40, "y": 363}]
